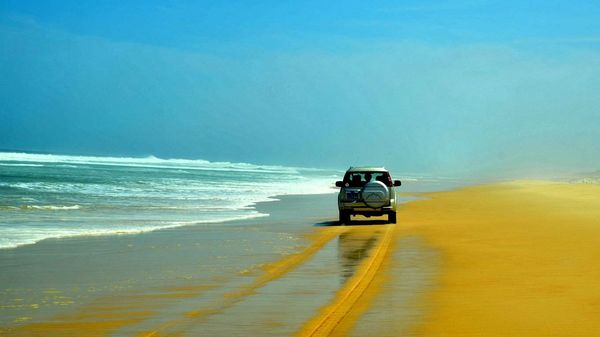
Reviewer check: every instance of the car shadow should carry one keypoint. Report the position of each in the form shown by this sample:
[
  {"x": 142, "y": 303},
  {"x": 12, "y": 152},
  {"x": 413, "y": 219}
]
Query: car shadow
[{"x": 353, "y": 223}]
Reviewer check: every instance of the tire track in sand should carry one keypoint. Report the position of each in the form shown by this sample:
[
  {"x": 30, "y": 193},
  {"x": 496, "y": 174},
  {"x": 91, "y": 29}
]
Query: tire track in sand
[{"x": 330, "y": 317}]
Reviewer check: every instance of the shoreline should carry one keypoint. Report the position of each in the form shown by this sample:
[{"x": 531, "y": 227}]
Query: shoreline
[
  {"x": 60, "y": 277},
  {"x": 503, "y": 259},
  {"x": 57, "y": 276},
  {"x": 416, "y": 188},
  {"x": 254, "y": 206}
]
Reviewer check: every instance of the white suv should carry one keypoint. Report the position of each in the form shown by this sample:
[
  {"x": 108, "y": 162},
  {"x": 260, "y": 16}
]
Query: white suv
[{"x": 368, "y": 191}]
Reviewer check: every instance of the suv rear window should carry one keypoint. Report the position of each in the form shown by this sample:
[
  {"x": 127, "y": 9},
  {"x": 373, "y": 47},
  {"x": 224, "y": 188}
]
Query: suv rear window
[{"x": 359, "y": 179}]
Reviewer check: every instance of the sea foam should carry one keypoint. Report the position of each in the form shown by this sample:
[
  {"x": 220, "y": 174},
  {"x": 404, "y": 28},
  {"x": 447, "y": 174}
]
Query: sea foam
[
  {"x": 51, "y": 196},
  {"x": 149, "y": 161}
]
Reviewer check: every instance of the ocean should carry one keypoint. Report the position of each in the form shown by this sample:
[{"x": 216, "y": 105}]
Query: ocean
[{"x": 51, "y": 196}]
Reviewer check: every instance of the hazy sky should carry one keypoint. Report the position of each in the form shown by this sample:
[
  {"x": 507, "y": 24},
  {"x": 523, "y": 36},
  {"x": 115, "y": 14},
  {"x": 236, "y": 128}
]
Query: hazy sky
[{"x": 438, "y": 87}]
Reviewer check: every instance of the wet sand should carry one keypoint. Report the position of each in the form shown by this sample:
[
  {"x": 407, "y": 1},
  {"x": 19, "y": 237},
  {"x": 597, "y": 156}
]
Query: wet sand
[
  {"x": 265, "y": 276},
  {"x": 511, "y": 259}
]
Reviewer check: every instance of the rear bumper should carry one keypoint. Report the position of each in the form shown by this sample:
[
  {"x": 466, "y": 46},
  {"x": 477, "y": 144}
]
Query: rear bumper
[
  {"x": 369, "y": 213},
  {"x": 363, "y": 209}
]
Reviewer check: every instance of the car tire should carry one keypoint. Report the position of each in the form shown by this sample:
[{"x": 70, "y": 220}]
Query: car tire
[
  {"x": 392, "y": 217},
  {"x": 344, "y": 217},
  {"x": 375, "y": 194}
]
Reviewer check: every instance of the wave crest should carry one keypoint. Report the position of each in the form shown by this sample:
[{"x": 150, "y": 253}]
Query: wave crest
[
  {"x": 51, "y": 207},
  {"x": 149, "y": 161}
]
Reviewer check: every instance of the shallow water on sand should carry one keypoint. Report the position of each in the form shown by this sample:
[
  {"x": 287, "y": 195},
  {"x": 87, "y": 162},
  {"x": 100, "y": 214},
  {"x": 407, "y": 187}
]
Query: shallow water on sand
[
  {"x": 281, "y": 306},
  {"x": 263, "y": 278},
  {"x": 189, "y": 281},
  {"x": 215, "y": 277}
]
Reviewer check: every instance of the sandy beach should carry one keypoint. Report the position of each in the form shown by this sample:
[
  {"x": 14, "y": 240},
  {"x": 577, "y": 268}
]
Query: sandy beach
[
  {"x": 292, "y": 168},
  {"x": 508, "y": 259}
]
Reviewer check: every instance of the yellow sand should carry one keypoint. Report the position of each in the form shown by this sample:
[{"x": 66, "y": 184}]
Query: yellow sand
[{"x": 518, "y": 259}]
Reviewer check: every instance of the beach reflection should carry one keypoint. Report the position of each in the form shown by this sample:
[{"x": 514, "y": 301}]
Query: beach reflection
[{"x": 353, "y": 247}]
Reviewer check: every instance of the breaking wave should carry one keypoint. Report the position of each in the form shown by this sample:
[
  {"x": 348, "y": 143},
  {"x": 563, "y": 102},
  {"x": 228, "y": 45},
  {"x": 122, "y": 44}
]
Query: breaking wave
[{"x": 51, "y": 196}]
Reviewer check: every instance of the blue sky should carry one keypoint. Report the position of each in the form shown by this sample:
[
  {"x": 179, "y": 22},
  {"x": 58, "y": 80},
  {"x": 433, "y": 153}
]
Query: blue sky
[{"x": 461, "y": 87}]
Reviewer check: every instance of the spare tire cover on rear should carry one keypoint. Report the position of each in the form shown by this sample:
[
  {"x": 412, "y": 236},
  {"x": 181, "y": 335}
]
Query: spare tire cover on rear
[{"x": 375, "y": 194}]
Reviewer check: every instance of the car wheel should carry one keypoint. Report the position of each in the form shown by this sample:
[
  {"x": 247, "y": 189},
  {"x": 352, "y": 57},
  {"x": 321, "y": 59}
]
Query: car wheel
[
  {"x": 392, "y": 217},
  {"x": 344, "y": 217}
]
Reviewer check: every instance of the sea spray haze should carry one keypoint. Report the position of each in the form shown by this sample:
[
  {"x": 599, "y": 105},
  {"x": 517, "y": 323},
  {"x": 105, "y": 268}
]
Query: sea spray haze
[
  {"x": 50, "y": 196},
  {"x": 466, "y": 87}
]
